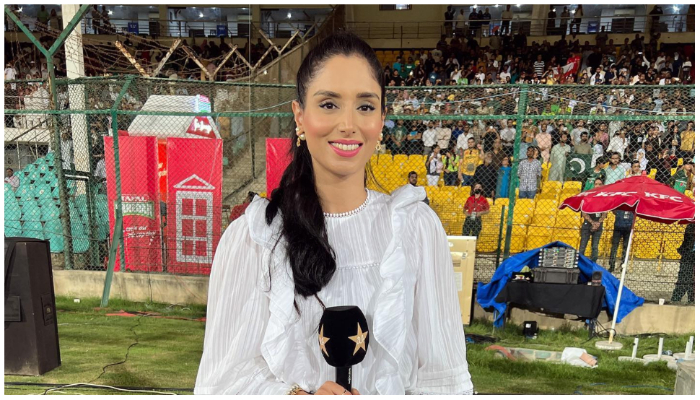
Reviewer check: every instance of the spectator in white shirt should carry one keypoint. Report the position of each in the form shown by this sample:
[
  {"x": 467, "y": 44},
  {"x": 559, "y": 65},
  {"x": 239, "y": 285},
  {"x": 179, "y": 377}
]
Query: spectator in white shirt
[
  {"x": 444, "y": 134},
  {"x": 508, "y": 137},
  {"x": 618, "y": 143},
  {"x": 576, "y": 132},
  {"x": 463, "y": 139},
  {"x": 429, "y": 138},
  {"x": 11, "y": 179}
]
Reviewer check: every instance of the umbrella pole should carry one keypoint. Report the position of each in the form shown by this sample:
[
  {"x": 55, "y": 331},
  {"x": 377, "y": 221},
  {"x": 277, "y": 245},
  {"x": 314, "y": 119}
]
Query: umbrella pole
[{"x": 622, "y": 280}]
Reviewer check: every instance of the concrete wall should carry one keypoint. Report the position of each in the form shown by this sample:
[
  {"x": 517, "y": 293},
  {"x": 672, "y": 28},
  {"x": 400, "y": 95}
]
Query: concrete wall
[
  {"x": 175, "y": 289},
  {"x": 158, "y": 288}
]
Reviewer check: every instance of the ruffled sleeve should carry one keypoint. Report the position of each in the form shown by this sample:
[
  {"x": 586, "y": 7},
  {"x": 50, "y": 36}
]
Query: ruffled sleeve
[
  {"x": 442, "y": 364},
  {"x": 237, "y": 317}
]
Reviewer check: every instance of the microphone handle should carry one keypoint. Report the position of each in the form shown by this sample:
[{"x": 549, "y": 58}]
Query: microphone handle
[{"x": 343, "y": 377}]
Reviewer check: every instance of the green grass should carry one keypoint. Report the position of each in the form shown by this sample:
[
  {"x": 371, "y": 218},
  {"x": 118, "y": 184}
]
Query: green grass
[
  {"x": 168, "y": 353},
  {"x": 491, "y": 375}
]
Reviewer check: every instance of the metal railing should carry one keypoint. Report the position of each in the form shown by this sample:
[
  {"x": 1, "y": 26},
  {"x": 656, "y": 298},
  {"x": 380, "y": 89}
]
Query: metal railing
[
  {"x": 530, "y": 26},
  {"x": 182, "y": 28}
]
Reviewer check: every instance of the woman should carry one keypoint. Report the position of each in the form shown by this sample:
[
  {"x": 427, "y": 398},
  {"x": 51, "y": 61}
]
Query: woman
[
  {"x": 578, "y": 15},
  {"x": 434, "y": 166},
  {"x": 503, "y": 184},
  {"x": 451, "y": 162},
  {"x": 324, "y": 240}
]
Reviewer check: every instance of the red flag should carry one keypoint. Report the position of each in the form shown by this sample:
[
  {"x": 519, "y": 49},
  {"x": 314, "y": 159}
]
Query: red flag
[{"x": 644, "y": 196}]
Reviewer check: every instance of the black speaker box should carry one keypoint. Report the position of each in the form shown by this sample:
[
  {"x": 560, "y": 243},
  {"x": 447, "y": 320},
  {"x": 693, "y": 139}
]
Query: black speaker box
[{"x": 31, "y": 329}]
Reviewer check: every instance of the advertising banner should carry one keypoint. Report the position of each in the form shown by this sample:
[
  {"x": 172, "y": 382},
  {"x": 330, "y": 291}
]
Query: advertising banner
[
  {"x": 138, "y": 160},
  {"x": 194, "y": 214},
  {"x": 278, "y": 158}
]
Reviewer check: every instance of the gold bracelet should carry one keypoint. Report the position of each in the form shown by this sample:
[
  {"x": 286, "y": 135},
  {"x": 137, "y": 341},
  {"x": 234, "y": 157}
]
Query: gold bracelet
[{"x": 294, "y": 390}]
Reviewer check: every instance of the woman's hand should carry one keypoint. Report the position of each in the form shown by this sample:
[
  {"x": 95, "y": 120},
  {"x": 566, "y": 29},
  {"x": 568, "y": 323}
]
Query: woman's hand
[{"x": 332, "y": 388}]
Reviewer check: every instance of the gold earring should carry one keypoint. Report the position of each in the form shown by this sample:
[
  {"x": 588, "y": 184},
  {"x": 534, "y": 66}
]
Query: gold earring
[
  {"x": 379, "y": 142},
  {"x": 300, "y": 138}
]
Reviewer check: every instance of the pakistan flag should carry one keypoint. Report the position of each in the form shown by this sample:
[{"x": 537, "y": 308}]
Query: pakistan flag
[{"x": 577, "y": 166}]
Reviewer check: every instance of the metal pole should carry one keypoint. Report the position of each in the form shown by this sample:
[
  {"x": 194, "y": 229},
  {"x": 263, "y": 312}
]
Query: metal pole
[
  {"x": 58, "y": 164},
  {"x": 522, "y": 111},
  {"x": 622, "y": 280},
  {"x": 500, "y": 236},
  {"x": 110, "y": 266}
]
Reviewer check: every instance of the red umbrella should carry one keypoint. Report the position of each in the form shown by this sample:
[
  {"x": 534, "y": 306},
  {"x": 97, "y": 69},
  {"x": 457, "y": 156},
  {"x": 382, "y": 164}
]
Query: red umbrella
[
  {"x": 644, "y": 197},
  {"x": 641, "y": 195}
]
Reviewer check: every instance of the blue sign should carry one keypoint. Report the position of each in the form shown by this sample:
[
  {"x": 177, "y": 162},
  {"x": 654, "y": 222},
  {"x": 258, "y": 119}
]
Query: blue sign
[
  {"x": 592, "y": 27},
  {"x": 134, "y": 27},
  {"x": 221, "y": 31}
]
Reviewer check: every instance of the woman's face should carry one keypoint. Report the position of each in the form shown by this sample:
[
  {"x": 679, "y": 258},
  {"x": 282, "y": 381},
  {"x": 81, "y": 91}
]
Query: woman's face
[{"x": 342, "y": 118}]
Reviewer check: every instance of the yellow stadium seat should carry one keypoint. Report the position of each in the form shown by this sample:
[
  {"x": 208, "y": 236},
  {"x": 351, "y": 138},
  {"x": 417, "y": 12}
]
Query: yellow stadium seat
[
  {"x": 431, "y": 191},
  {"x": 568, "y": 218},
  {"x": 689, "y": 193},
  {"x": 517, "y": 240},
  {"x": 566, "y": 193},
  {"x": 646, "y": 246},
  {"x": 572, "y": 185},
  {"x": 525, "y": 206},
  {"x": 544, "y": 220},
  {"x": 673, "y": 171},
  {"x": 465, "y": 189},
  {"x": 671, "y": 243},
  {"x": 572, "y": 237},
  {"x": 451, "y": 191},
  {"x": 652, "y": 173},
  {"x": 537, "y": 237},
  {"x": 550, "y": 190},
  {"x": 487, "y": 243},
  {"x": 680, "y": 162},
  {"x": 546, "y": 206},
  {"x": 385, "y": 159}
]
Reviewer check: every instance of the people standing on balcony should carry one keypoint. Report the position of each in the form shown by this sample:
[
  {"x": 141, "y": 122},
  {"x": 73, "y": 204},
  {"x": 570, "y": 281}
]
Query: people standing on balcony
[
  {"x": 53, "y": 20},
  {"x": 461, "y": 22},
  {"x": 470, "y": 160},
  {"x": 486, "y": 23},
  {"x": 96, "y": 17},
  {"x": 564, "y": 21},
  {"x": 449, "y": 20},
  {"x": 655, "y": 15},
  {"x": 506, "y": 17},
  {"x": 529, "y": 173},
  {"x": 473, "y": 24},
  {"x": 42, "y": 17},
  {"x": 107, "y": 27},
  {"x": 551, "y": 21}
]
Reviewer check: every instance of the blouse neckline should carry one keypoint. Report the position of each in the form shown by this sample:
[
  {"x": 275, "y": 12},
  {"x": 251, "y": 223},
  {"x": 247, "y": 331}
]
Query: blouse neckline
[{"x": 351, "y": 212}]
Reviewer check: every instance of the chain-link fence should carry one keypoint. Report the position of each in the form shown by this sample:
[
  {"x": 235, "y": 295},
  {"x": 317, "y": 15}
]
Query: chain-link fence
[{"x": 477, "y": 150}]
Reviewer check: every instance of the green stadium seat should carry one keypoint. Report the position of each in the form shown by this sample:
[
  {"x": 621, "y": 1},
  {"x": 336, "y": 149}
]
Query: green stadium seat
[
  {"x": 53, "y": 230},
  {"x": 49, "y": 212},
  {"x": 31, "y": 211},
  {"x": 12, "y": 228},
  {"x": 33, "y": 229}
]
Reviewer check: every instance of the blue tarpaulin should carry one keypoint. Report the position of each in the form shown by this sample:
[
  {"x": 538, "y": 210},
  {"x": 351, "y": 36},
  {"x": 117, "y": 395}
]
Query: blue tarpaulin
[{"x": 486, "y": 293}]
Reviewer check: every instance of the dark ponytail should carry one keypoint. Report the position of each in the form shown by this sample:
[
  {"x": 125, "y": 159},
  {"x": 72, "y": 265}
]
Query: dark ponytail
[{"x": 310, "y": 254}]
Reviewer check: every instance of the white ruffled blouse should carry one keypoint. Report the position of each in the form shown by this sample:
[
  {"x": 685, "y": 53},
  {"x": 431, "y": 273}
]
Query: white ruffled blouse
[{"x": 393, "y": 262}]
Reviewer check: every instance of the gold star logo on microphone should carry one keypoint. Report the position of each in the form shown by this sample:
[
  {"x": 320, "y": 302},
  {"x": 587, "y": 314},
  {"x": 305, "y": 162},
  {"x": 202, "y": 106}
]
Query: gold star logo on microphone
[
  {"x": 359, "y": 339},
  {"x": 322, "y": 341}
]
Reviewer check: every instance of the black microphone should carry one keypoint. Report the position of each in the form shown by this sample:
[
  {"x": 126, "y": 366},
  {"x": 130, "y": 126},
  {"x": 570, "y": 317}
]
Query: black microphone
[{"x": 343, "y": 336}]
